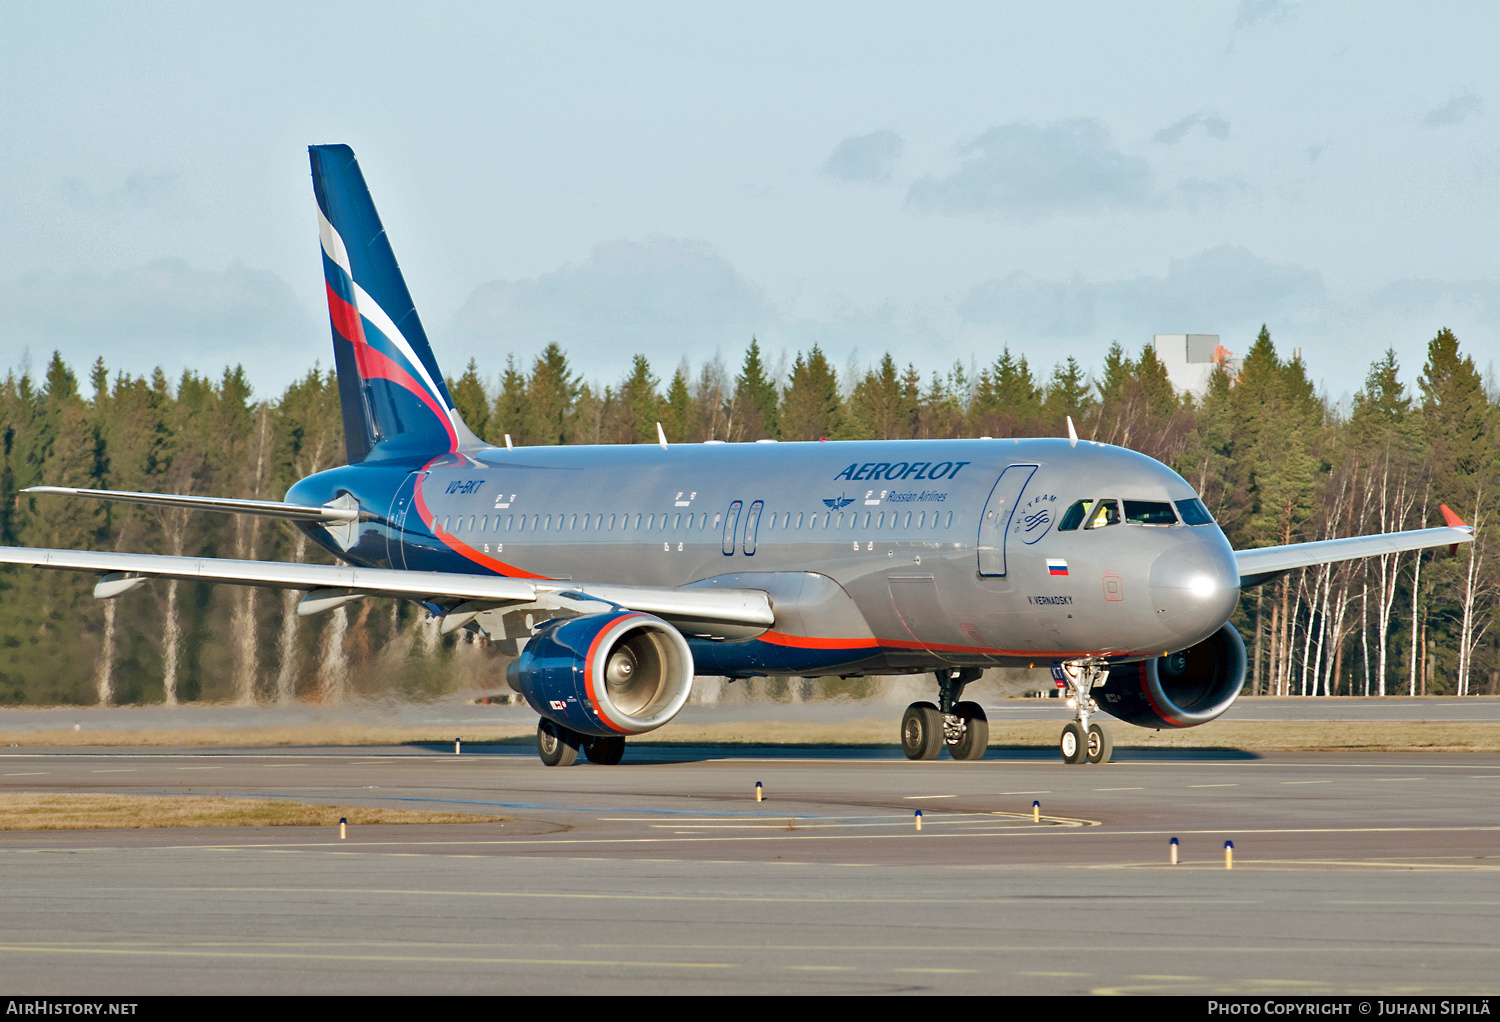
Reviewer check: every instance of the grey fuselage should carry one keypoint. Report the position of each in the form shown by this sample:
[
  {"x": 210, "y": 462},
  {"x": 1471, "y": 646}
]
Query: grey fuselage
[{"x": 879, "y": 556}]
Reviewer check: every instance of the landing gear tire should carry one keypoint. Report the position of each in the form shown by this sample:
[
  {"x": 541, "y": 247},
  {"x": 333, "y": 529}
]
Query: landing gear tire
[
  {"x": 921, "y": 731},
  {"x": 976, "y": 736},
  {"x": 1101, "y": 744},
  {"x": 557, "y": 745},
  {"x": 605, "y": 751},
  {"x": 1074, "y": 748}
]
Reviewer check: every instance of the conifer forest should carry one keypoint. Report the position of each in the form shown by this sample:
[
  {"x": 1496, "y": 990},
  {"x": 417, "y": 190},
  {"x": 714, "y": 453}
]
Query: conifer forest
[{"x": 1275, "y": 461}]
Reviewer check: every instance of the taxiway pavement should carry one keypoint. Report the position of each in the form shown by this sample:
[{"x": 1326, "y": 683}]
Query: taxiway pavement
[{"x": 1363, "y": 873}]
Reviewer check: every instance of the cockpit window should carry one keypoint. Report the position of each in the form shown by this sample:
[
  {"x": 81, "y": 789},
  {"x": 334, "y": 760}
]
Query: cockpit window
[
  {"x": 1104, "y": 512},
  {"x": 1149, "y": 512},
  {"x": 1073, "y": 517},
  {"x": 1194, "y": 513}
]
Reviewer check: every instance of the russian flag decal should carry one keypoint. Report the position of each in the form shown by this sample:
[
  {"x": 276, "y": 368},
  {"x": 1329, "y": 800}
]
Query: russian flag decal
[{"x": 1056, "y": 567}]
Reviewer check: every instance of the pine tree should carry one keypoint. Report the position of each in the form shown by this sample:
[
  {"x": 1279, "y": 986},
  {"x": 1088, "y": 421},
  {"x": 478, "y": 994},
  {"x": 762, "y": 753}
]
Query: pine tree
[
  {"x": 755, "y": 403},
  {"x": 472, "y": 402},
  {"x": 509, "y": 416},
  {"x": 550, "y": 395},
  {"x": 811, "y": 409}
]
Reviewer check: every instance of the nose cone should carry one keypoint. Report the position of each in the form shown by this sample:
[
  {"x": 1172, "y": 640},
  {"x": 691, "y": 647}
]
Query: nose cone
[{"x": 1194, "y": 586}]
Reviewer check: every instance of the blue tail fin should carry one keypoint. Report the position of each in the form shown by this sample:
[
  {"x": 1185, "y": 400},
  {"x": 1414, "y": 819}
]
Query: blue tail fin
[{"x": 390, "y": 387}]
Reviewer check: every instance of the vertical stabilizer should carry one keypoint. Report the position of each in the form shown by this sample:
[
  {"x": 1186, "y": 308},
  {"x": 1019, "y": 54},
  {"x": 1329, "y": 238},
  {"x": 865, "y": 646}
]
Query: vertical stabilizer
[{"x": 390, "y": 386}]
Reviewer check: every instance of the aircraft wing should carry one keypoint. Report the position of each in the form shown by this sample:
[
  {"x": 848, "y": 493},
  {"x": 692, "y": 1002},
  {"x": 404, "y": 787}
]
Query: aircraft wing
[
  {"x": 1267, "y": 563},
  {"x": 330, "y": 585},
  {"x": 266, "y": 508}
]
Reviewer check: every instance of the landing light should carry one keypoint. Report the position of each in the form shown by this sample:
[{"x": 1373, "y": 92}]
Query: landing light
[{"x": 1202, "y": 585}]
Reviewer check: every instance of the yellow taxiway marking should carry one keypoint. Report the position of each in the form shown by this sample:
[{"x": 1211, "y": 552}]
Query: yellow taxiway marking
[
  {"x": 29, "y": 773},
  {"x": 1059, "y": 974}
]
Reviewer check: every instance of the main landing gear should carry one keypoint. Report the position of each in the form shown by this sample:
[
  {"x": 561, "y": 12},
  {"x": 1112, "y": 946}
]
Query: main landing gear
[
  {"x": 960, "y": 726},
  {"x": 559, "y": 746},
  {"x": 1083, "y": 740}
]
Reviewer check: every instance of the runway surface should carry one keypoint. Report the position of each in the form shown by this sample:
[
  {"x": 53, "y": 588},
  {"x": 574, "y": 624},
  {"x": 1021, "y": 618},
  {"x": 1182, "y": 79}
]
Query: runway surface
[{"x": 1367, "y": 873}]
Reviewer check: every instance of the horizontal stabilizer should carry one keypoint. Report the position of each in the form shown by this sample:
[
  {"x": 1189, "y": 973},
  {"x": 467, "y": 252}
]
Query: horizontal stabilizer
[
  {"x": 340, "y": 583},
  {"x": 265, "y": 508},
  {"x": 1268, "y": 563}
]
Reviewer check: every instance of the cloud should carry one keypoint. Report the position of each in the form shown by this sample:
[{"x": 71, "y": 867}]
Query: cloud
[
  {"x": 1031, "y": 171},
  {"x": 865, "y": 158},
  {"x": 1257, "y": 12},
  {"x": 661, "y": 294},
  {"x": 164, "y": 313},
  {"x": 140, "y": 192},
  {"x": 1213, "y": 125},
  {"x": 1455, "y": 111},
  {"x": 1217, "y": 289}
]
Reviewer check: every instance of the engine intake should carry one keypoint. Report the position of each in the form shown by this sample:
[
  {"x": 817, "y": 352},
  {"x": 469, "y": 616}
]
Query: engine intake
[
  {"x": 619, "y": 673},
  {"x": 1182, "y": 689}
]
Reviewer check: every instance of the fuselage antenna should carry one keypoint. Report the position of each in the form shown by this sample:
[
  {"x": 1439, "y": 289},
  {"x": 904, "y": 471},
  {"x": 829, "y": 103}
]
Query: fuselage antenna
[
  {"x": 1072, "y": 433},
  {"x": 661, "y": 436}
]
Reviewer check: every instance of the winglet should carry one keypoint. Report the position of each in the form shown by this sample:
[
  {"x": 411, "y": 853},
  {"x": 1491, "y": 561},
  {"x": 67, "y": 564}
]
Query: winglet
[
  {"x": 1454, "y": 522},
  {"x": 1072, "y": 433},
  {"x": 661, "y": 436}
]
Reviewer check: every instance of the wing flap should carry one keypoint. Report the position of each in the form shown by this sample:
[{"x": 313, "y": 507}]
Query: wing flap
[{"x": 1267, "y": 563}]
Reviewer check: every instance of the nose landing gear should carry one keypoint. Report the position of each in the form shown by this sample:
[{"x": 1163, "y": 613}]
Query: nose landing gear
[
  {"x": 960, "y": 726},
  {"x": 1083, "y": 740}
]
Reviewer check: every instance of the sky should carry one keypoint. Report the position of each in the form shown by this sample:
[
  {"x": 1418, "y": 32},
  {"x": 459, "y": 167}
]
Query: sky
[{"x": 936, "y": 180}]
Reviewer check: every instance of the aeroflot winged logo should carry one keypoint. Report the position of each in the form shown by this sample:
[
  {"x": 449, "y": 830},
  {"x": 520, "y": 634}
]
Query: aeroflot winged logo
[
  {"x": 902, "y": 470},
  {"x": 838, "y": 502}
]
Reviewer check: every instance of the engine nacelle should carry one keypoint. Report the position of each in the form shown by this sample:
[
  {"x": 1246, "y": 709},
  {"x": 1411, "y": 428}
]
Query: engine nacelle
[
  {"x": 1182, "y": 689},
  {"x": 618, "y": 673}
]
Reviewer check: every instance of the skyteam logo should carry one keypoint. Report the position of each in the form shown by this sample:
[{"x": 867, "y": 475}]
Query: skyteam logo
[{"x": 1034, "y": 518}]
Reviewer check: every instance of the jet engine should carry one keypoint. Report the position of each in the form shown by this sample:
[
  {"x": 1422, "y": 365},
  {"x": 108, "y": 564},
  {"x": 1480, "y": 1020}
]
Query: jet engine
[
  {"x": 616, "y": 673},
  {"x": 1182, "y": 689}
]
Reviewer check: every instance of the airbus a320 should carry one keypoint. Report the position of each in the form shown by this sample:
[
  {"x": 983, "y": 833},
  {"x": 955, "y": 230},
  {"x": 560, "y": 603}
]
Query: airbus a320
[{"x": 618, "y": 573}]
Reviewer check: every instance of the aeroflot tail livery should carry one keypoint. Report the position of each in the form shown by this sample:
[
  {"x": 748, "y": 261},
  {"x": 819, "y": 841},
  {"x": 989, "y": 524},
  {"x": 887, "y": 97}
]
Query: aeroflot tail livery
[{"x": 619, "y": 573}]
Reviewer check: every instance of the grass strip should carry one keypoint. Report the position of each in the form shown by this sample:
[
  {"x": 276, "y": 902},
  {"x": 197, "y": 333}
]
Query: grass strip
[{"x": 46, "y": 811}]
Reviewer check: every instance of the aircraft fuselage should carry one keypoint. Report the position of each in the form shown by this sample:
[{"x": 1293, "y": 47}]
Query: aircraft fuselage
[{"x": 879, "y": 556}]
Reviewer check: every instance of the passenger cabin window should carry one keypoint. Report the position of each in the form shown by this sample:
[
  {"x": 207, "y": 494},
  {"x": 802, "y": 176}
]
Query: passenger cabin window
[
  {"x": 1194, "y": 513},
  {"x": 1149, "y": 512}
]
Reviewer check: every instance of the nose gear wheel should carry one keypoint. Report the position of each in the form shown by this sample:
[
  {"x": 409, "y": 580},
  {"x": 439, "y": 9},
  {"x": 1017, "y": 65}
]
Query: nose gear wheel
[{"x": 1082, "y": 740}]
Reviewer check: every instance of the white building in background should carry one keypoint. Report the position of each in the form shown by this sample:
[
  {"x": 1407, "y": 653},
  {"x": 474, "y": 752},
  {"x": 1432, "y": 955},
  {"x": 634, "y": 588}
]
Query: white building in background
[{"x": 1190, "y": 360}]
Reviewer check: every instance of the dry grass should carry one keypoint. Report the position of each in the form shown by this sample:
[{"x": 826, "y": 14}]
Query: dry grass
[
  {"x": 1250, "y": 736},
  {"x": 29, "y": 811}
]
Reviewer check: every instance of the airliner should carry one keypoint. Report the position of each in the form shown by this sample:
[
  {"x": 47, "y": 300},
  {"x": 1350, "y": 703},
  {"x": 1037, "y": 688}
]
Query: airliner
[{"x": 616, "y": 574}]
